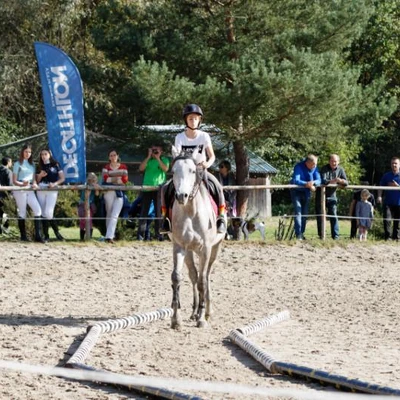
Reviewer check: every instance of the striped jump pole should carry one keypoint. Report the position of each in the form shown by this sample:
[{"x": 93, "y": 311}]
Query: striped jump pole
[
  {"x": 298, "y": 371},
  {"x": 77, "y": 361}
]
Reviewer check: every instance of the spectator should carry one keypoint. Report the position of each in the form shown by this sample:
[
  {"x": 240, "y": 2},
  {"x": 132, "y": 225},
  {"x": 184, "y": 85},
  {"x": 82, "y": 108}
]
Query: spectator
[
  {"x": 305, "y": 174},
  {"x": 364, "y": 214},
  {"x": 50, "y": 175},
  {"x": 187, "y": 141},
  {"x": 331, "y": 173},
  {"x": 357, "y": 198},
  {"x": 114, "y": 173},
  {"x": 391, "y": 200},
  {"x": 227, "y": 178},
  {"x": 155, "y": 167},
  {"x": 134, "y": 212},
  {"x": 24, "y": 176},
  {"x": 92, "y": 181},
  {"x": 6, "y": 179}
]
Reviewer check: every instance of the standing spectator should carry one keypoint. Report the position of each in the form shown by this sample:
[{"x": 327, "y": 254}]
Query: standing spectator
[
  {"x": 6, "y": 179},
  {"x": 352, "y": 212},
  {"x": 155, "y": 167},
  {"x": 227, "y": 178},
  {"x": 188, "y": 141},
  {"x": 331, "y": 173},
  {"x": 114, "y": 173},
  {"x": 134, "y": 212},
  {"x": 92, "y": 181},
  {"x": 24, "y": 176},
  {"x": 391, "y": 200},
  {"x": 364, "y": 214},
  {"x": 305, "y": 174},
  {"x": 50, "y": 175}
]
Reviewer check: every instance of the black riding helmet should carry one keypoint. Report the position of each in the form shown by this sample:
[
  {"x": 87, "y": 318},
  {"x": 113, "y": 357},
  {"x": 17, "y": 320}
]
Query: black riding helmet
[{"x": 192, "y": 109}]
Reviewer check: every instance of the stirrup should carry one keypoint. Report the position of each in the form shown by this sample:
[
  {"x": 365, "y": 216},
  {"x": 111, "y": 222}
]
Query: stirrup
[
  {"x": 165, "y": 226},
  {"x": 221, "y": 226}
]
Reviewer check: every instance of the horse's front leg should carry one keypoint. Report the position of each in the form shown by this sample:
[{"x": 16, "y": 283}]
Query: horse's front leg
[
  {"x": 202, "y": 286},
  {"x": 214, "y": 254},
  {"x": 189, "y": 261},
  {"x": 176, "y": 277}
]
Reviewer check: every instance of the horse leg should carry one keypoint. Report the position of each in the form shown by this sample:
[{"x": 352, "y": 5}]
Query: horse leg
[
  {"x": 189, "y": 261},
  {"x": 214, "y": 254},
  {"x": 202, "y": 286},
  {"x": 176, "y": 277}
]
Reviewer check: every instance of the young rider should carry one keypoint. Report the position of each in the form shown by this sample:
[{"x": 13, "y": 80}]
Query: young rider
[{"x": 187, "y": 141}]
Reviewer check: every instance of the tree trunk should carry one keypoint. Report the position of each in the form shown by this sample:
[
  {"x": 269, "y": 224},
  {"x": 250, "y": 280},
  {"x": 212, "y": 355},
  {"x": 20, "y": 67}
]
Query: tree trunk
[{"x": 242, "y": 176}]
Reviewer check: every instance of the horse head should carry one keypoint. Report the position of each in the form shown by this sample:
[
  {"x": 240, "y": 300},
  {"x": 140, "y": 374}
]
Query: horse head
[{"x": 187, "y": 175}]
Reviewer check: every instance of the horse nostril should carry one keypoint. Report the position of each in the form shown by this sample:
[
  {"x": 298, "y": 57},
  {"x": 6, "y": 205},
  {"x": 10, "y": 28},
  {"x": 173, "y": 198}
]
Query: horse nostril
[{"x": 186, "y": 195}]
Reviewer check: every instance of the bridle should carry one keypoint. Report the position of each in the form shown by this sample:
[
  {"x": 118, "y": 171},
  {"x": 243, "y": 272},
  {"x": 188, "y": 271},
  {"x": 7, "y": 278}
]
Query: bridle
[{"x": 199, "y": 174}]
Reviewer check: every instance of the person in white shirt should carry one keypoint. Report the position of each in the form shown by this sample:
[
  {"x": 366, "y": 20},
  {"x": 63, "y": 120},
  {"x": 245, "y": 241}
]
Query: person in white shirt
[{"x": 187, "y": 141}]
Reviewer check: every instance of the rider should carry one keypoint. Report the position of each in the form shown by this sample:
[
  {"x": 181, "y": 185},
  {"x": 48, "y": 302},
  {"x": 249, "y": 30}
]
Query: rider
[{"x": 187, "y": 141}]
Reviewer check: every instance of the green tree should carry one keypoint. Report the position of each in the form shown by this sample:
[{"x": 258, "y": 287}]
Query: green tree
[
  {"x": 261, "y": 70},
  {"x": 377, "y": 54}
]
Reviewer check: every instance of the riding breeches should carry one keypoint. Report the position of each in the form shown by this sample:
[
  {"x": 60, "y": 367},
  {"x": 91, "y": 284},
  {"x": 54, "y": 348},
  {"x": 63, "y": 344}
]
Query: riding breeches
[
  {"x": 47, "y": 201},
  {"x": 114, "y": 206},
  {"x": 24, "y": 199}
]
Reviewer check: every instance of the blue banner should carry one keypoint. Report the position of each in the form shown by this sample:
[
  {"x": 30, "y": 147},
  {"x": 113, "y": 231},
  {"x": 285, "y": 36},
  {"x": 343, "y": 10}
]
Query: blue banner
[{"x": 63, "y": 103}]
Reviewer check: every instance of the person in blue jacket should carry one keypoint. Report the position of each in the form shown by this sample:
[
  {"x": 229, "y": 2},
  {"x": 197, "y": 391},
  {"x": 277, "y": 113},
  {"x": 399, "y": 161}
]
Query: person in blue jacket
[
  {"x": 391, "y": 200},
  {"x": 306, "y": 175}
]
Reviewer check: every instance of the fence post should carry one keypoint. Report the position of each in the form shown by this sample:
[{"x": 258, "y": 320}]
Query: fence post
[
  {"x": 323, "y": 213},
  {"x": 87, "y": 214}
]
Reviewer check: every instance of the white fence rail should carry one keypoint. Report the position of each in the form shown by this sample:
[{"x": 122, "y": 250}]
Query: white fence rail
[{"x": 89, "y": 188}]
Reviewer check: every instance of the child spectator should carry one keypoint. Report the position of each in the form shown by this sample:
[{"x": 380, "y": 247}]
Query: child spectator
[
  {"x": 364, "y": 214},
  {"x": 92, "y": 181}
]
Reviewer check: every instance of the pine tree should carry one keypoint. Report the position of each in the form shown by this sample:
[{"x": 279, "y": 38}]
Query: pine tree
[{"x": 259, "y": 69}]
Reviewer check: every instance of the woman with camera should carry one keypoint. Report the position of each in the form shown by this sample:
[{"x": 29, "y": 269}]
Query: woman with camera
[{"x": 155, "y": 167}]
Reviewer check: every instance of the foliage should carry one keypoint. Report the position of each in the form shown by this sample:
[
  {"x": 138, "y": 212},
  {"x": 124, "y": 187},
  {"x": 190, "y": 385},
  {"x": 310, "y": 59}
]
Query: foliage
[
  {"x": 317, "y": 77},
  {"x": 8, "y": 131},
  {"x": 261, "y": 73}
]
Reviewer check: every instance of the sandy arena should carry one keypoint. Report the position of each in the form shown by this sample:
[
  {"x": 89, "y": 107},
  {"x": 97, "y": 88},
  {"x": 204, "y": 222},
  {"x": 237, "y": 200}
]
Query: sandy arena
[{"x": 344, "y": 303}]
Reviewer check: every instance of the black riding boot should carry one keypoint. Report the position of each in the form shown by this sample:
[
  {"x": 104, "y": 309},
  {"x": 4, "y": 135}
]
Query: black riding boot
[
  {"x": 22, "y": 229},
  {"x": 82, "y": 234},
  {"x": 165, "y": 226},
  {"x": 45, "y": 224},
  {"x": 38, "y": 231},
  {"x": 53, "y": 224},
  {"x": 221, "y": 225}
]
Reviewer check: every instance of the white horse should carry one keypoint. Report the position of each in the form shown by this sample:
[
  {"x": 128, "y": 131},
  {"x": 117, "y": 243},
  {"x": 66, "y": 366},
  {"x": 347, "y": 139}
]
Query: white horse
[{"x": 194, "y": 231}]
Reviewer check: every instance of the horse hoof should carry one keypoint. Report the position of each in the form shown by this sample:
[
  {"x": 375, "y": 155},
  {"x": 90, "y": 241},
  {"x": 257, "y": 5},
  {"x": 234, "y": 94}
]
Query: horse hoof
[
  {"x": 202, "y": 324},
  {"x": 194, "y": 317},
  {"x": 176, "y": 325}
]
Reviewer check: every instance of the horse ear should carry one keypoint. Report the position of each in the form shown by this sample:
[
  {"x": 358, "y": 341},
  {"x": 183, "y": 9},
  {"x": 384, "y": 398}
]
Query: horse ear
[
  {"x": 174, "y": 152},
  {"x": 196, "y": 155}
]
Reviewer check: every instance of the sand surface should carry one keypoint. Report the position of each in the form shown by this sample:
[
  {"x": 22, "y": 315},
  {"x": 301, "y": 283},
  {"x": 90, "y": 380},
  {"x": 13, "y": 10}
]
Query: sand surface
[{"x": 344, "y": 303}]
